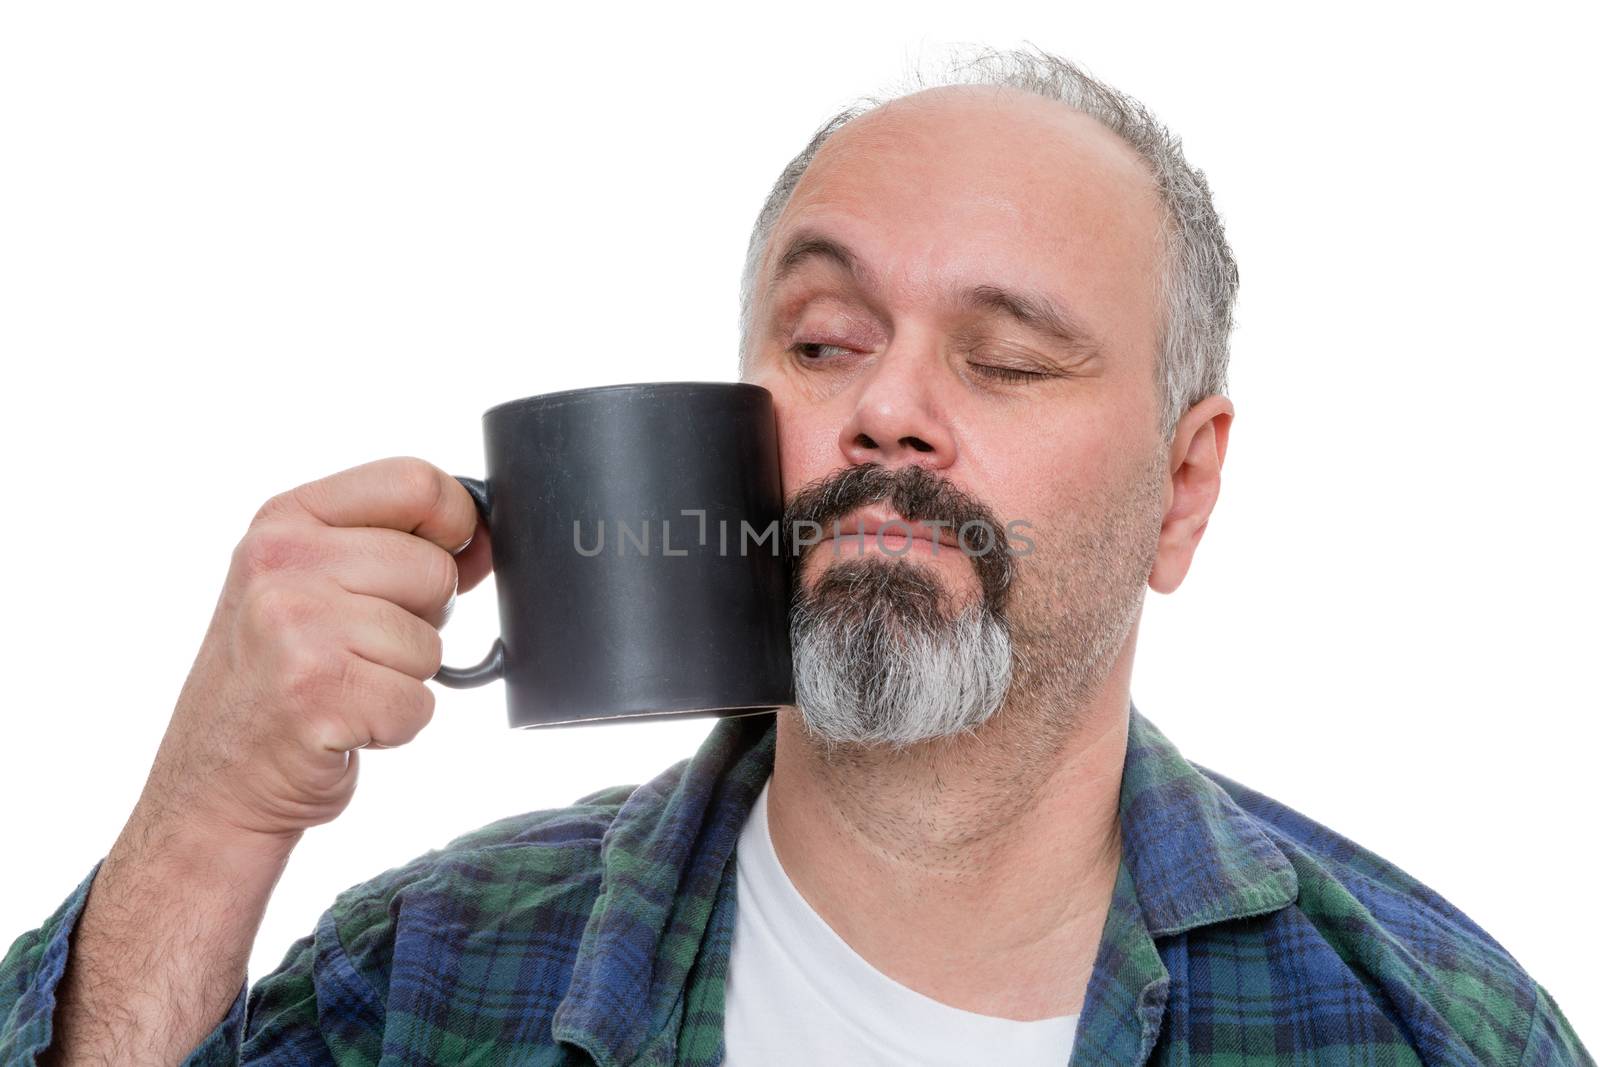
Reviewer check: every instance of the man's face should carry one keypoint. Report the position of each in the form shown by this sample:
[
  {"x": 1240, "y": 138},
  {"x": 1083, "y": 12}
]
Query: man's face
[{"x": 968, "y": 212}]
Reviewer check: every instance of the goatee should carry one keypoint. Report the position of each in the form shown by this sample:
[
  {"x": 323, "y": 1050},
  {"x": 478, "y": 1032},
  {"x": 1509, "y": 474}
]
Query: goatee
[{"x": 883, "y": 653}]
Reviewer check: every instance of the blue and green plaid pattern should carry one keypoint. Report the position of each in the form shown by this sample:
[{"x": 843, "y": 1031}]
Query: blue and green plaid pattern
[{"x": 1240, "y": 934}]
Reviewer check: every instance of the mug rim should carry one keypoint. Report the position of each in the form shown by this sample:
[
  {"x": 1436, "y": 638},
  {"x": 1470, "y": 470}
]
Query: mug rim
[{"x": 563, "y": 396}]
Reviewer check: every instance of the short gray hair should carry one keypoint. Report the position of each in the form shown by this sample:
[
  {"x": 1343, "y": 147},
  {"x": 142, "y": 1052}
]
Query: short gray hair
[{"x": 1199, "y": 280}]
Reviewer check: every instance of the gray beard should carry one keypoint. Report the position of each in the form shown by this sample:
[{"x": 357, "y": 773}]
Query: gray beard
[{"x": 877, "y": 661}]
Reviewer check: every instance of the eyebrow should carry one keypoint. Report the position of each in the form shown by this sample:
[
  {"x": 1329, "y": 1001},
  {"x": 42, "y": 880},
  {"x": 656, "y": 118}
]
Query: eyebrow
[{"x": 1033, "y": 310}]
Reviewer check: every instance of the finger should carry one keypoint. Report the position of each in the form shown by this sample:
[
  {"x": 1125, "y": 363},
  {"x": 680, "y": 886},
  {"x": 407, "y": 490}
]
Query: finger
[
  {"x": 472, "y": 562},
  {"x": 399, "y": 493},
  {"x": 398, "y": 567},
  {"x": 382, "y": 708},
  {"x": 390, "y": 636}
]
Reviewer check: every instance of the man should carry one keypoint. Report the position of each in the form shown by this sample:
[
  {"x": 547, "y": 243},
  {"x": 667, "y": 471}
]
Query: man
[{"x": 1003, "y": 299}]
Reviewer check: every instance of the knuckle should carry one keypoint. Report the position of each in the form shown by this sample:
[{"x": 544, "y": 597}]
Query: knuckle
[
  {"x": 400, "y": 711},
  {"x": 334, "y": 733},
  {"x": 276, "y": 607},
  {"x": 312, "y": 675},
  {"x": 272, "y": 509},
  {"x": 290, "y": 503},
  {"x": 420, "y": 649},
  {"x": 418, "y": 708},
  {"x": 443, "y": 577},
  {"x": 271, "y": 547},
  {"x": 421, "y": 703},
  {"x": 433, "y": 657},
  {"x": 392, "y": 624},
  {"x": 420, "y": 640},
  {"x": 417, "y": 481}
]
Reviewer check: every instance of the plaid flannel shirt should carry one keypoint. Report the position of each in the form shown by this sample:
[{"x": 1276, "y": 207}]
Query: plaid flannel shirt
[{"x": 1240, "y": 933}]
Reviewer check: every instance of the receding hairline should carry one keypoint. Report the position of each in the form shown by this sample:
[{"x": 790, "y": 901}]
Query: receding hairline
[
  {"x": 1198, "y": 279},
  {"x": 785, "y": 252},
  {"x": 1073, "y": 120}
]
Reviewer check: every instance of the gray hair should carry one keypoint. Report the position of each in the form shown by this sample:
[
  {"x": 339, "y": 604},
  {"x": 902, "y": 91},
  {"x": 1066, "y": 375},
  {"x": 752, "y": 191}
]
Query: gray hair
[
  {"x": 876, "y": 663},
  {"x": 1199, "y": 280}
]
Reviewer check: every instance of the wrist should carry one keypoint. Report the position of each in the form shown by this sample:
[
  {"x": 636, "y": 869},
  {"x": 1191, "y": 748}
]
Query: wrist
[{"x": 201, "y": 850}]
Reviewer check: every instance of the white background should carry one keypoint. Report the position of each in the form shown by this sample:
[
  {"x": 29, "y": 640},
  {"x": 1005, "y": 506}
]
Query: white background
[{"x": 242, "y": 247}]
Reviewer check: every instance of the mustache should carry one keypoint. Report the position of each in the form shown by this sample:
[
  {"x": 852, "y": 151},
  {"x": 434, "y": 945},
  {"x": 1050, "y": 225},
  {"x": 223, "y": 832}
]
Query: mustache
[{"x": 916, "y": 494}]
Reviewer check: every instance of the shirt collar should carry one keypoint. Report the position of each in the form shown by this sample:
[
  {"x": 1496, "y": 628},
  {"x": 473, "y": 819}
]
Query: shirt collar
[
  {"x": 663, "y": 861},
  {"x": 1196, "y": 857},
  {"x": 1190, "y": 857}
]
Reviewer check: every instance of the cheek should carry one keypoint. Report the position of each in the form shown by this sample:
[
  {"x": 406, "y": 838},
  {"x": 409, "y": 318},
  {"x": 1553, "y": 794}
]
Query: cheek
[
  {"x": 1049, "y": 493},
  {"x": 1032, "y": 465},
  {"x": 808, "y": 441}
]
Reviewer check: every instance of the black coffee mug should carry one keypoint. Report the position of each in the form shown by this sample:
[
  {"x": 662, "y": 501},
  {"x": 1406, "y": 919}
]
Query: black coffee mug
[{"x": 635, "y": 537}]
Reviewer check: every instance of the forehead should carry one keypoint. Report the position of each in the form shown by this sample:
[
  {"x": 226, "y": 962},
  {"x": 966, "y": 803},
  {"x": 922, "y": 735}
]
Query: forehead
[{"x": 968, "y": 185}]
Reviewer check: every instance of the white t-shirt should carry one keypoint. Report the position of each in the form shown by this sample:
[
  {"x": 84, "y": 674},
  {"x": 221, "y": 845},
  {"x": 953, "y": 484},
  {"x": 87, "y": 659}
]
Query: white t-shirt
[{"x": 797, "y": 993}]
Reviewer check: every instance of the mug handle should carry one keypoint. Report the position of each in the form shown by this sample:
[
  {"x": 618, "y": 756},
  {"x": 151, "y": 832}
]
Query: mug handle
[{"x": 494, "y": 664}]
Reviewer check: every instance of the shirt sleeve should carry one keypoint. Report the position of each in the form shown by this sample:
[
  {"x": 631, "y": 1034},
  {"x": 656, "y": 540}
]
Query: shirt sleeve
[
  {"x": 32, "y": 970},
  {"x": 279, "y": 1021},
  {"x": 1552, "y": 1041}
]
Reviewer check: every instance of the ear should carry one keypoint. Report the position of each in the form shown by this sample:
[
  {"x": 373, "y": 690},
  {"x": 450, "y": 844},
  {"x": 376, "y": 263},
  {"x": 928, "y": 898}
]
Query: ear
[{"x": 1195, "y": 462}]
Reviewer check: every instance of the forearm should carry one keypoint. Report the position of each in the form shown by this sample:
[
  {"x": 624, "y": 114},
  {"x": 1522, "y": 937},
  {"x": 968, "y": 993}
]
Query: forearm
[{"x": 163, "y": 944}]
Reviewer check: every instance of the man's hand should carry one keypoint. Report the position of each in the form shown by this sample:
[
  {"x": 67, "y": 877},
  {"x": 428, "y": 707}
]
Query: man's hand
[
  {"x": 323, "y": 637},
  {"x": 322, "y": 641}
]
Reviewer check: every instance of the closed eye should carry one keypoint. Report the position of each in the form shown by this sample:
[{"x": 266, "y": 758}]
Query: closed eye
[
  {"x": 1007, "y": 374},
  {"x": 819, "y": 352}
]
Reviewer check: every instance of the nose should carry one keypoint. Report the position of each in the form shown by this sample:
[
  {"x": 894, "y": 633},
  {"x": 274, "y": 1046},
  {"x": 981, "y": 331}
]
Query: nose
[{"x": 897, "y": 420}]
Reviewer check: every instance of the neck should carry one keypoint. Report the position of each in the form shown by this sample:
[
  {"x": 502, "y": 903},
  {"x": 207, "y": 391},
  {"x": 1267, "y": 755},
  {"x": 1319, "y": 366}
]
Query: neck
[{"x": 976, "y": 870}]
